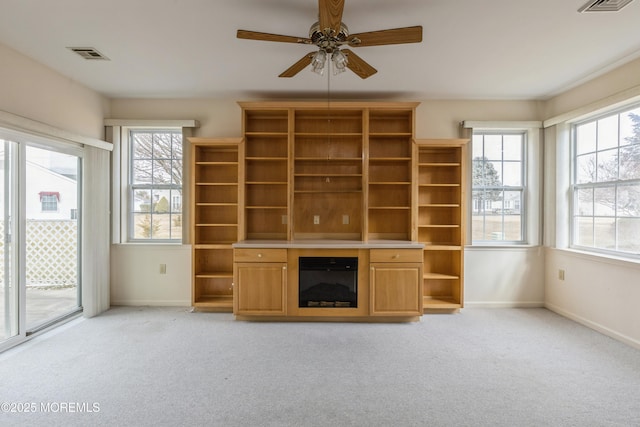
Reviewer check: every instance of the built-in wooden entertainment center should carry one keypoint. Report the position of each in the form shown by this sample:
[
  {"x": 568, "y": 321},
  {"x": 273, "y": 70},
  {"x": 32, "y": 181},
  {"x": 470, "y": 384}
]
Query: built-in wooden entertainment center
[{"x": 341, "y": 194}]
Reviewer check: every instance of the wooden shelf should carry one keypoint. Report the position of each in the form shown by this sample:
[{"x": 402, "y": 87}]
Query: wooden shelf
[
  {"x": 438, "y": 276},
  {"x": 441, "y": 221},
  {"x": 214, "y": 274},
  {"x": 215, "y": 302},
  {"x": 214, "y": 181},
  {"x": 440, "y": 303},
  {"x": 358, "y": 161}
]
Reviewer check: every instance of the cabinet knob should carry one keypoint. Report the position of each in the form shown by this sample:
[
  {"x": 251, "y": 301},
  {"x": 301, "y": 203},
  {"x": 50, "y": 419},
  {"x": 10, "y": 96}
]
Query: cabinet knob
[
  {"x": 259, "y": 255},
  {"x": 396, "y": 256}
]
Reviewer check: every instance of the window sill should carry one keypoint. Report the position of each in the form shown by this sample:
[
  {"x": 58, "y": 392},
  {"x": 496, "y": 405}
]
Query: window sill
[
  {"x": 598, "y": 257},
  {"x": 500, "y": 246}
]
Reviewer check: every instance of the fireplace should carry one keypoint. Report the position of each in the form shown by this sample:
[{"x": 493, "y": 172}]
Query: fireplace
[{"x": 328, "y": 282}]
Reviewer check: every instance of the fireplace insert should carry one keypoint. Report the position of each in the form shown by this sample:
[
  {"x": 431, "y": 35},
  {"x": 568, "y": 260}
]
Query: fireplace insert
[{"x": 328, "y": 282}]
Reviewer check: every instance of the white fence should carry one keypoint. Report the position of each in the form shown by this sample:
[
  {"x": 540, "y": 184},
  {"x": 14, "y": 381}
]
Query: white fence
[{"x": 51, "y": 252}]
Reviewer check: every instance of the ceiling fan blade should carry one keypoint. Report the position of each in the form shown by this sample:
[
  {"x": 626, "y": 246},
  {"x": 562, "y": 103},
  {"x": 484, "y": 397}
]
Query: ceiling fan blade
[
  {"x": 254, "y": 35},
  {"x": 382, "y": 37},
  {"x": 330, "y": 12},
  {"x": 358, "y": 65},
  {"x": 298, "y": 66}
]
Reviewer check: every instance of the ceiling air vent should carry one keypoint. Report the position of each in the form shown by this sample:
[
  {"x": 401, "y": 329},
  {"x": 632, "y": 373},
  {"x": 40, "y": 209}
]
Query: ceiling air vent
[
  {"x": 604, "y": 5},
  {"x": 88, "y": 53}
]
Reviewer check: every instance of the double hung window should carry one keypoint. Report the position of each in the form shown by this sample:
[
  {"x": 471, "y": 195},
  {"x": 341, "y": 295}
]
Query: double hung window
[
  {"x": 605, "y": 187},
  {"x": 498, "y": 187},
  {"x": 155, "y": 185}
]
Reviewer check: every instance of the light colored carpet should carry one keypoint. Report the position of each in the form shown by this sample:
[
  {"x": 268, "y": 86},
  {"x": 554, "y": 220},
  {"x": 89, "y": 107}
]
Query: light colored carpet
[{"x": 166, "y": 366}]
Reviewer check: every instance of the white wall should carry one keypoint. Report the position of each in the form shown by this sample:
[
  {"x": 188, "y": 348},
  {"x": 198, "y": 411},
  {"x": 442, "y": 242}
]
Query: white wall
[
  {"x": 504, "y": 277},
  {"x": 31, "y": 90},
  {"x": 599, "y": 292},
  {"x": 136, "y": 278},
  {"x": 132, "y": 284}
]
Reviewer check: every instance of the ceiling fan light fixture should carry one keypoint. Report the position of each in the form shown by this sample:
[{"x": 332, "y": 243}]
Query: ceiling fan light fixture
[
  {"x": 340, "y": 62},
  {"x": 318, "y": 61}
]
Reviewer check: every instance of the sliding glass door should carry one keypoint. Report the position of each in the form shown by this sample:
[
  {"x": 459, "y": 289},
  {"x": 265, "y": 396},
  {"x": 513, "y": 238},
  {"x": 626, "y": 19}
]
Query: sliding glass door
[
  {"x": 51, "y": 236},
  {"x": 8, "y": 254},
  {"x": 40, "y": 230}
]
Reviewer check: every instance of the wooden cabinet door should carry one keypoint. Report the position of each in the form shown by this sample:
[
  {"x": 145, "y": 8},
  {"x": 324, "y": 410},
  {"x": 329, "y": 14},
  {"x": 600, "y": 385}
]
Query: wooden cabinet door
[
  {"x": 260, "y": 288},
  {"x": 396, "y": 289}
]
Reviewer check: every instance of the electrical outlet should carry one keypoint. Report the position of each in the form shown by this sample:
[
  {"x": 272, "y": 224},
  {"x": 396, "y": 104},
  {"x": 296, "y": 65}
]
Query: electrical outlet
[
  {"x": 345, "y": 219},
  {"x": 163, "y": 268},
  {"x": 316, "y": 219},
  {"x": 284, "y": 219},
  {"x": 561, "y": 274}
]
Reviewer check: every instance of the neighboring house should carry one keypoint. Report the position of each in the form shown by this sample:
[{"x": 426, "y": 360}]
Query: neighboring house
[{"x": 50, "y": 195}]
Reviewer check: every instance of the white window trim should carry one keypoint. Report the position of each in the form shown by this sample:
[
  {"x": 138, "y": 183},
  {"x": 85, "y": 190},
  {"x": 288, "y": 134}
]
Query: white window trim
[
  {"x": 532, "y": 217},
  {"x": 570, "y": 125},
  {"x": 118, "y": 134}
]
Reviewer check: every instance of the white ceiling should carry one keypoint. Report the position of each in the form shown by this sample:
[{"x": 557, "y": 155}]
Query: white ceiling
[{"x": 471, "y": 49}]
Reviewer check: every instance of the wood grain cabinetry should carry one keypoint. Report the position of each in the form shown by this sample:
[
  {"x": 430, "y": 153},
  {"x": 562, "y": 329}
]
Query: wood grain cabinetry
[
  {"x": 441, "y": 221},
  {"x": 396, "y": 282},
  {"x": 215, "y": 192},
  {"x": 344, "y": 172},
  {"x": 266, "y": 180},
  {"x": 350, "y": 172},
  {"x": 390, "y": 175},
  {"x": 260, "y": 279}
]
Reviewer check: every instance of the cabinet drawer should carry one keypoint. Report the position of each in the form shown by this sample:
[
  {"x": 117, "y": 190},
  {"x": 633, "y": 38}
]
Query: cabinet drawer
[
  {"x": 260, "y": 255},
  {"x": 395, "y": 255}
]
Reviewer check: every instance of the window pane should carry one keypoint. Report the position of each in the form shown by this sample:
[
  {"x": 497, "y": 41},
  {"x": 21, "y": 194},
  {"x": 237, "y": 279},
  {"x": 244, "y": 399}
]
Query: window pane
[
  {"x": 629, "y": 235},
  {"x": 628, "y": 200},
  {"x": 586, "y": 138},
  {"x": 161, "y": 171},
  {"x": 143, "y": 226},
  {"x": 142, "y": 201},
  {"x": 607, "y": 165},
  {"x": 512, "y": 174},
  {"x": 585, "y": 168},
  {"x": 608, "y": 132},
  {"x": 604, "y": 201},
  {"x": 604, "y": 233},
  {"x": 176, "y": 145},
  {"x": 583, "y": 232},
  {"x": 176, "y": 172},
  {"x": 630, "y": 162},
  {"x": 493, "y": 147},
  {"x": 584, "y": 201},
  {"x": 142, "y": 172},
  {"x": 630, "y": 127},
  {"x": 513, "y": 147},
  {"x": 142, "y": 146}
]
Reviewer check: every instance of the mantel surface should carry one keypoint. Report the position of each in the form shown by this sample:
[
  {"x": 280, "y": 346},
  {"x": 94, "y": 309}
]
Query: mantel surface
[{"x": 328, "y": 244}]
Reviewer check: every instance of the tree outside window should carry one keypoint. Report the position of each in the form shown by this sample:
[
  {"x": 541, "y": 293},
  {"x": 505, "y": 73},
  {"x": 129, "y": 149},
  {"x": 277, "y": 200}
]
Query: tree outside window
[
  {"x": 156, "y": 185},
  {"x": 606, "y": 189},
  {"x": 497, "y": 187}
]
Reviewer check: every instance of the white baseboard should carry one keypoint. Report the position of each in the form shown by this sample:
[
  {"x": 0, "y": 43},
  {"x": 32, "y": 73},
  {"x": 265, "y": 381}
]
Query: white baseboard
[
  {"x": 152, "y": 303},
  {"x": 504, "y": 304},
  {"x": 595, "y": 326}
]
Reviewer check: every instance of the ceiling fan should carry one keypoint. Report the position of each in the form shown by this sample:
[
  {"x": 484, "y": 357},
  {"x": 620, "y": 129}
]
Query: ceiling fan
[{"x": 330, "y": 34}]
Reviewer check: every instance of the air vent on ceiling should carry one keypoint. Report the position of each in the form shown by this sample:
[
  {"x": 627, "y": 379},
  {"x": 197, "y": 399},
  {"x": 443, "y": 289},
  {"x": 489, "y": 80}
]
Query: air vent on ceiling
[
  {"x": 604, "y": 5},
  {"x": 88, "y": 53}
]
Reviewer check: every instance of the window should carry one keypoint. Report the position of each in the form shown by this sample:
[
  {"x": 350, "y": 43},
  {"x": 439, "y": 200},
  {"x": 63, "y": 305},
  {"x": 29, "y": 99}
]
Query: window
[
  {"x": 498, "y": 186},
  {"x": 605, "y": 187},
  {"x": 49, "y": 202},
  {"x": 155, "y": 185}
]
